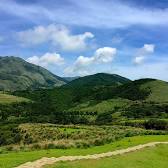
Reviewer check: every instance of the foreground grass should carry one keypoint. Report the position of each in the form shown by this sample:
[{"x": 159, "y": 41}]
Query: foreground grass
[
  {"x": 147, "y": 158},
  {"x": 13, "y": 159}
]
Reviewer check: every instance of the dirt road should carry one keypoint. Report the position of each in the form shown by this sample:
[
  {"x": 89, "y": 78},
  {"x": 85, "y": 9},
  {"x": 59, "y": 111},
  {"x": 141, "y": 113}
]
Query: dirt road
[{"x": 47, "y": 161}]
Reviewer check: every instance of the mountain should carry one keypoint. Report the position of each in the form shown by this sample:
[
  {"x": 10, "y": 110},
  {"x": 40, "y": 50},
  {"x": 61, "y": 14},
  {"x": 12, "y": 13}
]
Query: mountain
[
  {"x": 99, "y": 79},
  {"x": 135, "y": 99},
  {"x": 144, "y": 89},
  {"x": 82, "y": 102},
  {"x": 17, "y": 74}
]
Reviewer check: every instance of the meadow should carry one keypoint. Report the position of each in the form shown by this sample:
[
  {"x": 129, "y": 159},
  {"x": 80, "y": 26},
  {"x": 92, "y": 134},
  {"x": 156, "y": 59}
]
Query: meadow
[
  {"x": 151, "y": 157},
  {"x": 13, "y": 158}
]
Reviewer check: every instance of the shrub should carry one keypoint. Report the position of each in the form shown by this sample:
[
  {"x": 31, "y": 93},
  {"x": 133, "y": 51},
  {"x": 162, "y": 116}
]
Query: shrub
[{"x": 156, "y": 124}]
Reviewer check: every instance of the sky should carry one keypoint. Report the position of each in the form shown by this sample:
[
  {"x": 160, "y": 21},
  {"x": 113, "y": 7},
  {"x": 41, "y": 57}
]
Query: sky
[{"x": 77, "y": 38}]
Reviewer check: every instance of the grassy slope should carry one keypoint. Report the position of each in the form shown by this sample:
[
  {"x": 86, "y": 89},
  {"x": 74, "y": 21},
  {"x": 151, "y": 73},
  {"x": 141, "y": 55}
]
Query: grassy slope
[
  {"x": 5, "y": 99},
  {"x": 17, "y": 74},
  {"x": 104, "y": 106},
  {"x": 146, "y": 158},
  {"x": 159, "y": 91},
  {"x": 13, "y": 159}
]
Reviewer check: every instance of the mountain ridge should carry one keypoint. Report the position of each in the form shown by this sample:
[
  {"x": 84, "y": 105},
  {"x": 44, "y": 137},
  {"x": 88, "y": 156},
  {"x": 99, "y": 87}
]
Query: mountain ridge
[
  {"x": 98, "y": 79},
  {"x": 17, "y": 74}
]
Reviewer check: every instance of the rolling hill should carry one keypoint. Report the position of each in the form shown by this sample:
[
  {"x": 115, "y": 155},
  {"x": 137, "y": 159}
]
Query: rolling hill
[
  {"x": 110, "y": 95},
  {"x": 99, "y": 79},
  {"x": 139, "y": 98},
  {"x": 17, "y": 74},
  {"x": 145, "y": 90}
]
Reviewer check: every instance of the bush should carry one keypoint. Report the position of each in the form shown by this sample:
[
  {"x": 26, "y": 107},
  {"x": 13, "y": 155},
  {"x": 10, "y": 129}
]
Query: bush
[
  {"x": 104, "y": 118},
  {"x": 156, "y": 124}
]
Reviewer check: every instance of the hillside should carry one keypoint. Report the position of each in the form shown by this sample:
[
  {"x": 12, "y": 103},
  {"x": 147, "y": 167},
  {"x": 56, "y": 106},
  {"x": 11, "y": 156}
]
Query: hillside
[
  {"x": 79, "y": 102},
  {"x": 140, "y": 98},
  {"x": 7, "y": 99},
  {"x": 159, "y": 91},
  {"x": 144, "y": 89},
  {"x": 99, "y": 79},
  {"x": 17, "y": 74}
]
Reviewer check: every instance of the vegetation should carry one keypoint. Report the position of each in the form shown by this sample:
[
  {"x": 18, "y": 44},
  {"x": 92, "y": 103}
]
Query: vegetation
[
  {"x": 47, "y": 136},
  {"x": 156, "y": 124},
  {"x": 12, "y": 159},
  {"x": 7, "y": 99},
  {"x": 151, "y": 157},
  {"x": 67, "y": 104},
  {"x": 99, "y": 79},
  {"x": 91, "y": 114},
  {"x": 17, "y": 74}
]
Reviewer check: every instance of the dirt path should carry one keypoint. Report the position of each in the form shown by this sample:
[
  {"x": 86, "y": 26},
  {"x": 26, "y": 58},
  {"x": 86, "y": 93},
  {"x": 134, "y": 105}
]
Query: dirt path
[{"x": 47, "y": 161}]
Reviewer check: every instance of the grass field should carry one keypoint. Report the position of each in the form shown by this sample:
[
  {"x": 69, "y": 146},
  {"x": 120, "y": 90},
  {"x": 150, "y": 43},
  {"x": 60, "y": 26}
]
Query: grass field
[
  {"x": 12, "y": 159},
  {"x": 147, "y": 158},
  {"x": 104, "y": 106},
  {"x": 5, "y": 99},
  {"x": 159, "y": 88}
]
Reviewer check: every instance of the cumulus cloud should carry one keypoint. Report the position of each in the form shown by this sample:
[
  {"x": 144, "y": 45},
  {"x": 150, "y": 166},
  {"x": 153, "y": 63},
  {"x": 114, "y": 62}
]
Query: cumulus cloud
[
  {"x": 101, "y": 55},
  {"x": 46, "y": 59},
  {"x": 57, "y": 35},
  {"x": 143, "y": 53}
]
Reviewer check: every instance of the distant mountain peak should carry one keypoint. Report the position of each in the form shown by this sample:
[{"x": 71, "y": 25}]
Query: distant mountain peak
[
  {"x": 17, "y": 74},
  {"x": 98, "y": 79}
]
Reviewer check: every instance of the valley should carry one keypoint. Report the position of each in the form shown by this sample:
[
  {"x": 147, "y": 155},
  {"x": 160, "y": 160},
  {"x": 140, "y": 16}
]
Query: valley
[{"x": 79, "y": 116}]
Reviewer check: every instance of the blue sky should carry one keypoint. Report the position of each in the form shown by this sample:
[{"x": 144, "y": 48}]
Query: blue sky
[{"x": 70, "y": 37}]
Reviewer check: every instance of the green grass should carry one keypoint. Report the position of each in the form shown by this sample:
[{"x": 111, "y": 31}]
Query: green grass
[
  {"x": 147, "y": 158},
  {"x": 104, "y": 106},
  {"x": 13, "y": 159},
  {"x": 159, "y": 90},
  {"x": 6, "y": 99}
]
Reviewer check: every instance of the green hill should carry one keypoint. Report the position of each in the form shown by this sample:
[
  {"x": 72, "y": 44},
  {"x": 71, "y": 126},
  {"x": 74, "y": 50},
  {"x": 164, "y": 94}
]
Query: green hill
[
  {"x": 144, "y": 89},
  {"x": 80, "y": 102},
  {"x": 136, "y": 99},
  {"x": 159, "y": 91},
  {"x": 99, "y": 79},
  {"x": 17, "y": 74}
]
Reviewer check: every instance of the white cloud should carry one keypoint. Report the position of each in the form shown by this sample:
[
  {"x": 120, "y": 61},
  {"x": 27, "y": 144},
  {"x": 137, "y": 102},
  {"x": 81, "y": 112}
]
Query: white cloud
[
  {"x": 107, "y": 14},
  {"x": 46, "y": 59},
  {"x": 58, "y": 35},
  {"x": 143, "y": 53},
  {"x": 105, "y": 54},
  {"x": 101, "y": 55}
]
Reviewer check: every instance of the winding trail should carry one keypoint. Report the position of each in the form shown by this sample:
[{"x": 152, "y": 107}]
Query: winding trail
[{"x": 47, "y": 161}]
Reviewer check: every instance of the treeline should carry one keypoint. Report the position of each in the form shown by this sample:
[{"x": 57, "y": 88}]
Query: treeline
[
  {"x": 146, "y": 109},
  {"x": 42, "y": 113},
  {"x": 157, "y": 124}
]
